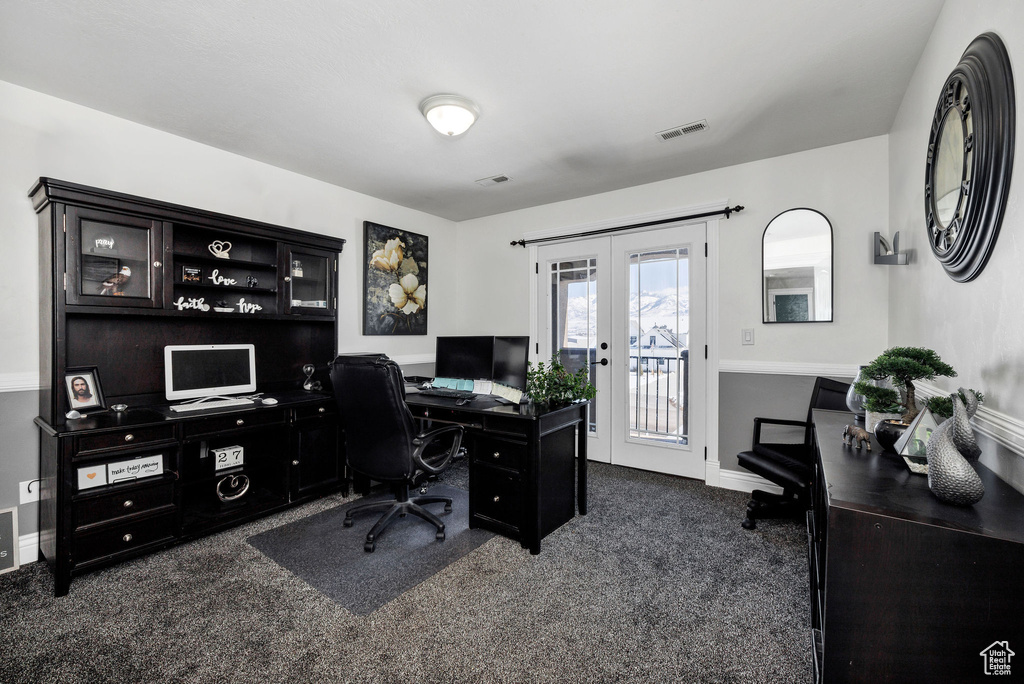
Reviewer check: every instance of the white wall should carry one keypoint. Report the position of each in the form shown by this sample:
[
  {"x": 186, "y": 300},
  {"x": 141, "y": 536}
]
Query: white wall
[
  {"x": 978, "y": 327},
  {"x": 848, "y": 183},
  {"x": 45, "y": 136}
]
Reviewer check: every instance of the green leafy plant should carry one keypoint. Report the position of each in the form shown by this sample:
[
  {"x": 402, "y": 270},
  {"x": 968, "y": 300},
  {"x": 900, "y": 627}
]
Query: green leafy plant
[
  {"x": 555, "y": 385},
  {"x": 903, "y": 365},
  {"x": 943, "y": 406}
]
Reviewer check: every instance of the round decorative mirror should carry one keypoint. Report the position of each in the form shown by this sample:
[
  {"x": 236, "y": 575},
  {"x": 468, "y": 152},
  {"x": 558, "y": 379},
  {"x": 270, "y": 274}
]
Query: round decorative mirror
[
  {"x": 970, "y": 157},
  {"x": 796, "y": 268}
]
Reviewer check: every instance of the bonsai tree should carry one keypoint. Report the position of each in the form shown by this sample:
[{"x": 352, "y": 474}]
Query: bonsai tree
[
  {"x": 903, "y": 365},
  {"x": 555, "y": 385},
  {"x": 942, "y": 406}
]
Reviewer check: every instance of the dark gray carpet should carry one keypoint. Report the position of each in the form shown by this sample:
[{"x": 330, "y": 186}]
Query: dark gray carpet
[
  {"x": 659, "y": 583},
  {"x": 329, "y": 556}
]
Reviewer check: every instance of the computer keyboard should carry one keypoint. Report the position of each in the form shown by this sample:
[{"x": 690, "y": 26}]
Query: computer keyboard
[
  {"x": 212, "y": 404},
  {"x": 448, "y": 393}
]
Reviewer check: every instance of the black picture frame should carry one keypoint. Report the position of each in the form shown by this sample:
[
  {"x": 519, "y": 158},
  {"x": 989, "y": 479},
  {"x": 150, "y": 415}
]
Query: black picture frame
[
  {"x": 91, "y": 376},
  {"x": 394, "y": 281}
]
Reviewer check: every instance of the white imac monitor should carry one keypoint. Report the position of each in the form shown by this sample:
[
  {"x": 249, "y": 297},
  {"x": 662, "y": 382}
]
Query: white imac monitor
[{"x": 206, "y": 370}]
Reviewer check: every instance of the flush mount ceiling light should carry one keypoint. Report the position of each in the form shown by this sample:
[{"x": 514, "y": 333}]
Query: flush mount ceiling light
[{"x": 450, "y": 114}]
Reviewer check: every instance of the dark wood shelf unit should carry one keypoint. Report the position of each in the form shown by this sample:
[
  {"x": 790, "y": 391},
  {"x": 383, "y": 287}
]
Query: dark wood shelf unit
[
  {"x": 293, "y": 449},
  {"x": 903, "y": 587}
]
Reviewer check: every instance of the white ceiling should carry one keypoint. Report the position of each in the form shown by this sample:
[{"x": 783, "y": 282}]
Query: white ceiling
[{"x": 572, "y": 92}]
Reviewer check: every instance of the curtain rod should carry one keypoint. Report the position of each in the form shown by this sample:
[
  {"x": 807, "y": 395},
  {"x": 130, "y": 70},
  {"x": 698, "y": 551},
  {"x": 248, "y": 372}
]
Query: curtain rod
[{"x": 727, "y": 211}]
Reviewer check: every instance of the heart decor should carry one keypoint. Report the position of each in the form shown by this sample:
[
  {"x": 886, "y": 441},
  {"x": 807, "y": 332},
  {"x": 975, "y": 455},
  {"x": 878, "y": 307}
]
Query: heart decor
[
  {"x": 220, "y": 249},
  {"x": 91, "y": 475}
]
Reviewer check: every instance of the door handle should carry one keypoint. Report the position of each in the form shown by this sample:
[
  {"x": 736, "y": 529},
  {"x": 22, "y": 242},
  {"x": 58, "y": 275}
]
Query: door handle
[{"x": 603, "y": 362}]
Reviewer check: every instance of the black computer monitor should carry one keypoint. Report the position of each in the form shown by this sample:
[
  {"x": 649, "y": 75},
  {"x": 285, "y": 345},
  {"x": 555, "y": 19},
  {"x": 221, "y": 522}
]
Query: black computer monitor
[
  {"x": 511, "y": 355},
  {"x": 466, "y": 357}
]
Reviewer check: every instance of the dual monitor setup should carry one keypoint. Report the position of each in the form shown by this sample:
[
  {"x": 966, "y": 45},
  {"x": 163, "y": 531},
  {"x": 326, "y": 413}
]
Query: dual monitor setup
[{"x": 205, "y": 376}]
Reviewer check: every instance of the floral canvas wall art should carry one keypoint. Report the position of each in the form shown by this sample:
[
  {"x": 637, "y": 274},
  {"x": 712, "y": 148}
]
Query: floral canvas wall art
[{"x": 395, "y": 281}]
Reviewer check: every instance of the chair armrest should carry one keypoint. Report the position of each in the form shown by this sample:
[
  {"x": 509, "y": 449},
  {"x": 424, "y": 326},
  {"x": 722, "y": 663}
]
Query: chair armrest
[
  {"x": 425, "y": 438},
  {"x": 758, "y": 422}
]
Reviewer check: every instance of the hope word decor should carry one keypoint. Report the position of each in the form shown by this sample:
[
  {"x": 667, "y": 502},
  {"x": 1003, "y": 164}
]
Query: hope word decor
[
  {"x": 220, "y": 249},
  {"x": 394, "y": 282},
  {"x": 248, "y": 307}
]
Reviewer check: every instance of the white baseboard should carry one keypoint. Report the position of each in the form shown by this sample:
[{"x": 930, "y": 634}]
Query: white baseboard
[
  {"x": 745, "y": 482},
  {"x": 28, "y": 548},
  {"x": 712, "y": 473}
]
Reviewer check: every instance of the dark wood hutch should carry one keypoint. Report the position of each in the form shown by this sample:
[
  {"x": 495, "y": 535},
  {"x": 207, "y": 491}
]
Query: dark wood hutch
[{"x": 191, "y": 277}]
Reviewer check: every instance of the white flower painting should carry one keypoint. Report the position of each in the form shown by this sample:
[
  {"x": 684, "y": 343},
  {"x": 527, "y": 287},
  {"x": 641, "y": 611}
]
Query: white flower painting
[{"x": 395, "y": 283}]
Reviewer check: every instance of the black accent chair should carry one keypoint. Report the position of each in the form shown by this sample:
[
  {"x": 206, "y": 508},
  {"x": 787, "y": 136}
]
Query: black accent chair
[
  {"x": 381, "y": 441},
  {"x": 791, "y": 466}
]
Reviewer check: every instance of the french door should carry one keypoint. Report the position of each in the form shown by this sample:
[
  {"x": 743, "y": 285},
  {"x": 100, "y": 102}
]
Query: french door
[{"x": 632, "y": 309}]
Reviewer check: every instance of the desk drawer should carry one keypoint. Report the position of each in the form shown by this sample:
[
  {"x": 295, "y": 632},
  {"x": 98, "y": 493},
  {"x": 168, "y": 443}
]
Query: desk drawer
[
  {"x": 128, "y": 501},
  {"x": 126, "y": 438},
  {"x": 233, "y": 421},
  {"x": 302, "y": 412},
  {"x": 498, "y": 452},
  {"x": 497, "y": 495},
  {"x": 123, "y": 538}
]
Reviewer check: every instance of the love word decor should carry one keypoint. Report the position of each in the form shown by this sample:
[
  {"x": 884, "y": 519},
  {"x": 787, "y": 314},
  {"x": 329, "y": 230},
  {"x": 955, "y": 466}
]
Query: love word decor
[
  {"x": 218, "y": 279},
  {"x": 220, "y": 249}
]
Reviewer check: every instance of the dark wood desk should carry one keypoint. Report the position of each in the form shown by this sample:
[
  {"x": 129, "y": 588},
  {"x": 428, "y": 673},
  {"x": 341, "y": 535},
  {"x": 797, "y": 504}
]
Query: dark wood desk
[
  {"x": 292, "y": 454},
  {"x": 905, "y": 588},
  {"x": 522, "y": 479}
]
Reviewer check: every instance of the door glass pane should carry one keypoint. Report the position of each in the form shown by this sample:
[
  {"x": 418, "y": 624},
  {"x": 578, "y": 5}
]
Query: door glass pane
[
  {"x": 574, "y": 316},
  {"x": 115, "y": 260},
  {"x": 659, "y": 325},
  {"x": 308, "y": 281}
]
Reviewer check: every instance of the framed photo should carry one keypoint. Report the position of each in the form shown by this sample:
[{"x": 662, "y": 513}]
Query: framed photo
[
  {"x": 83, "y": 388},
  {"x": 394, "y": 281}
]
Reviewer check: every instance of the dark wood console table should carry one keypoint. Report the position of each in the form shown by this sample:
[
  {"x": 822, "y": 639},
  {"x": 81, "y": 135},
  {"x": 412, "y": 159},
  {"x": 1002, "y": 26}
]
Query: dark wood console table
[
  {"x": 905, "y": 588},
  {"x": 522, "y": 479}
]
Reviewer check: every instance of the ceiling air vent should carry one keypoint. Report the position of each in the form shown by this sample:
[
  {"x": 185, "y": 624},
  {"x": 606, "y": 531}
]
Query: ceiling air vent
[
  {"x": 494, "y": 180},
  {"x": 685, "y": 129}
]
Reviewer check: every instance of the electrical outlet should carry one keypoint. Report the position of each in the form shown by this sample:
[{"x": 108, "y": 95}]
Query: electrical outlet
[
  {"x": 748, "y": 336},
  {"x": 28, "y": 491}
]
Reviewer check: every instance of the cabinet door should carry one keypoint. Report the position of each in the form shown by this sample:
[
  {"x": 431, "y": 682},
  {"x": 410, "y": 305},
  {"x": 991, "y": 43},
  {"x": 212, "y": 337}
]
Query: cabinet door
[
  {"x": 317, "y": 463},
  {"x": 113, "y": 259},
  {"x": 309, "y": 282}
]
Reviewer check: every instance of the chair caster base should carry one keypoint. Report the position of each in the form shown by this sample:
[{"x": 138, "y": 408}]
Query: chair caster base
[
  {"x": 368, "y": 547},
  {"x": 348, "y": 522},
  {"x": 447, "y": 508},
  {"x": 440, "y": 535},
  {"x": 749, "y": 524}
]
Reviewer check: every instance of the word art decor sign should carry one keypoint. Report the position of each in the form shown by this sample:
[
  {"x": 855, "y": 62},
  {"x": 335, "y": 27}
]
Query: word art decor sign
[{"x": 394, "y": 282}]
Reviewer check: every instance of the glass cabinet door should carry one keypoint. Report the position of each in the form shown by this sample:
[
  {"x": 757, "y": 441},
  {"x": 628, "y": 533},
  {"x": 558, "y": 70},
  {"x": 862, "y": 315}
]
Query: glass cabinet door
[
  {"x": 309, "y": 282},
  {"x": 112, "y": 260}
]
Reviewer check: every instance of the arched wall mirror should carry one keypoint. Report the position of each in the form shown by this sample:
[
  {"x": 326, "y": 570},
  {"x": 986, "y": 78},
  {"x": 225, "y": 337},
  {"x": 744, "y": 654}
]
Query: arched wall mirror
[{"x": 796, "y": 268}]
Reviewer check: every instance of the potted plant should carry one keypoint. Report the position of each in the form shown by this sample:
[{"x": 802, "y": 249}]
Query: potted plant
[
  {"x": 554, "y": 385},
  {"x": 942, "y": 407},
  {"x": 902, "y": 366}
]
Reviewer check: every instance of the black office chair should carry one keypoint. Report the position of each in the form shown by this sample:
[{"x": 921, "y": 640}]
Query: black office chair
[
  {"x": 791, "y": 466},
  {"x": 381, "y": 441}
]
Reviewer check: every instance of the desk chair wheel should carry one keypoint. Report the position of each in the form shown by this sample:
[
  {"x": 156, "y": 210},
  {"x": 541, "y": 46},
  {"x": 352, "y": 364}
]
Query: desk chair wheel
[
  {"x": 448, "y": 507},
  {"x": 440, "y": 535},
  {"x": 348, "y": 522},
  {"x": 368, "y": 547}
]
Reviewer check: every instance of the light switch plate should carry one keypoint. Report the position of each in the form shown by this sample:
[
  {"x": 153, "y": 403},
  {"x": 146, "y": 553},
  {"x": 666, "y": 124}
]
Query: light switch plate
[{"x": 748, "y": 336}]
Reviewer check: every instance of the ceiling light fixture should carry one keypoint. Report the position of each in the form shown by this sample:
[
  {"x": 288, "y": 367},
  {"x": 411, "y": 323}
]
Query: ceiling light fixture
[{"x": 450, "y": 114}]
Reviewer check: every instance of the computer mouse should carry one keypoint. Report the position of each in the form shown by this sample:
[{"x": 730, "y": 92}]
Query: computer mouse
[
  {"x": 461, "y": 402},
  {"x": 73, "y": 415},
  {"x": 269, "y": 401}
]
